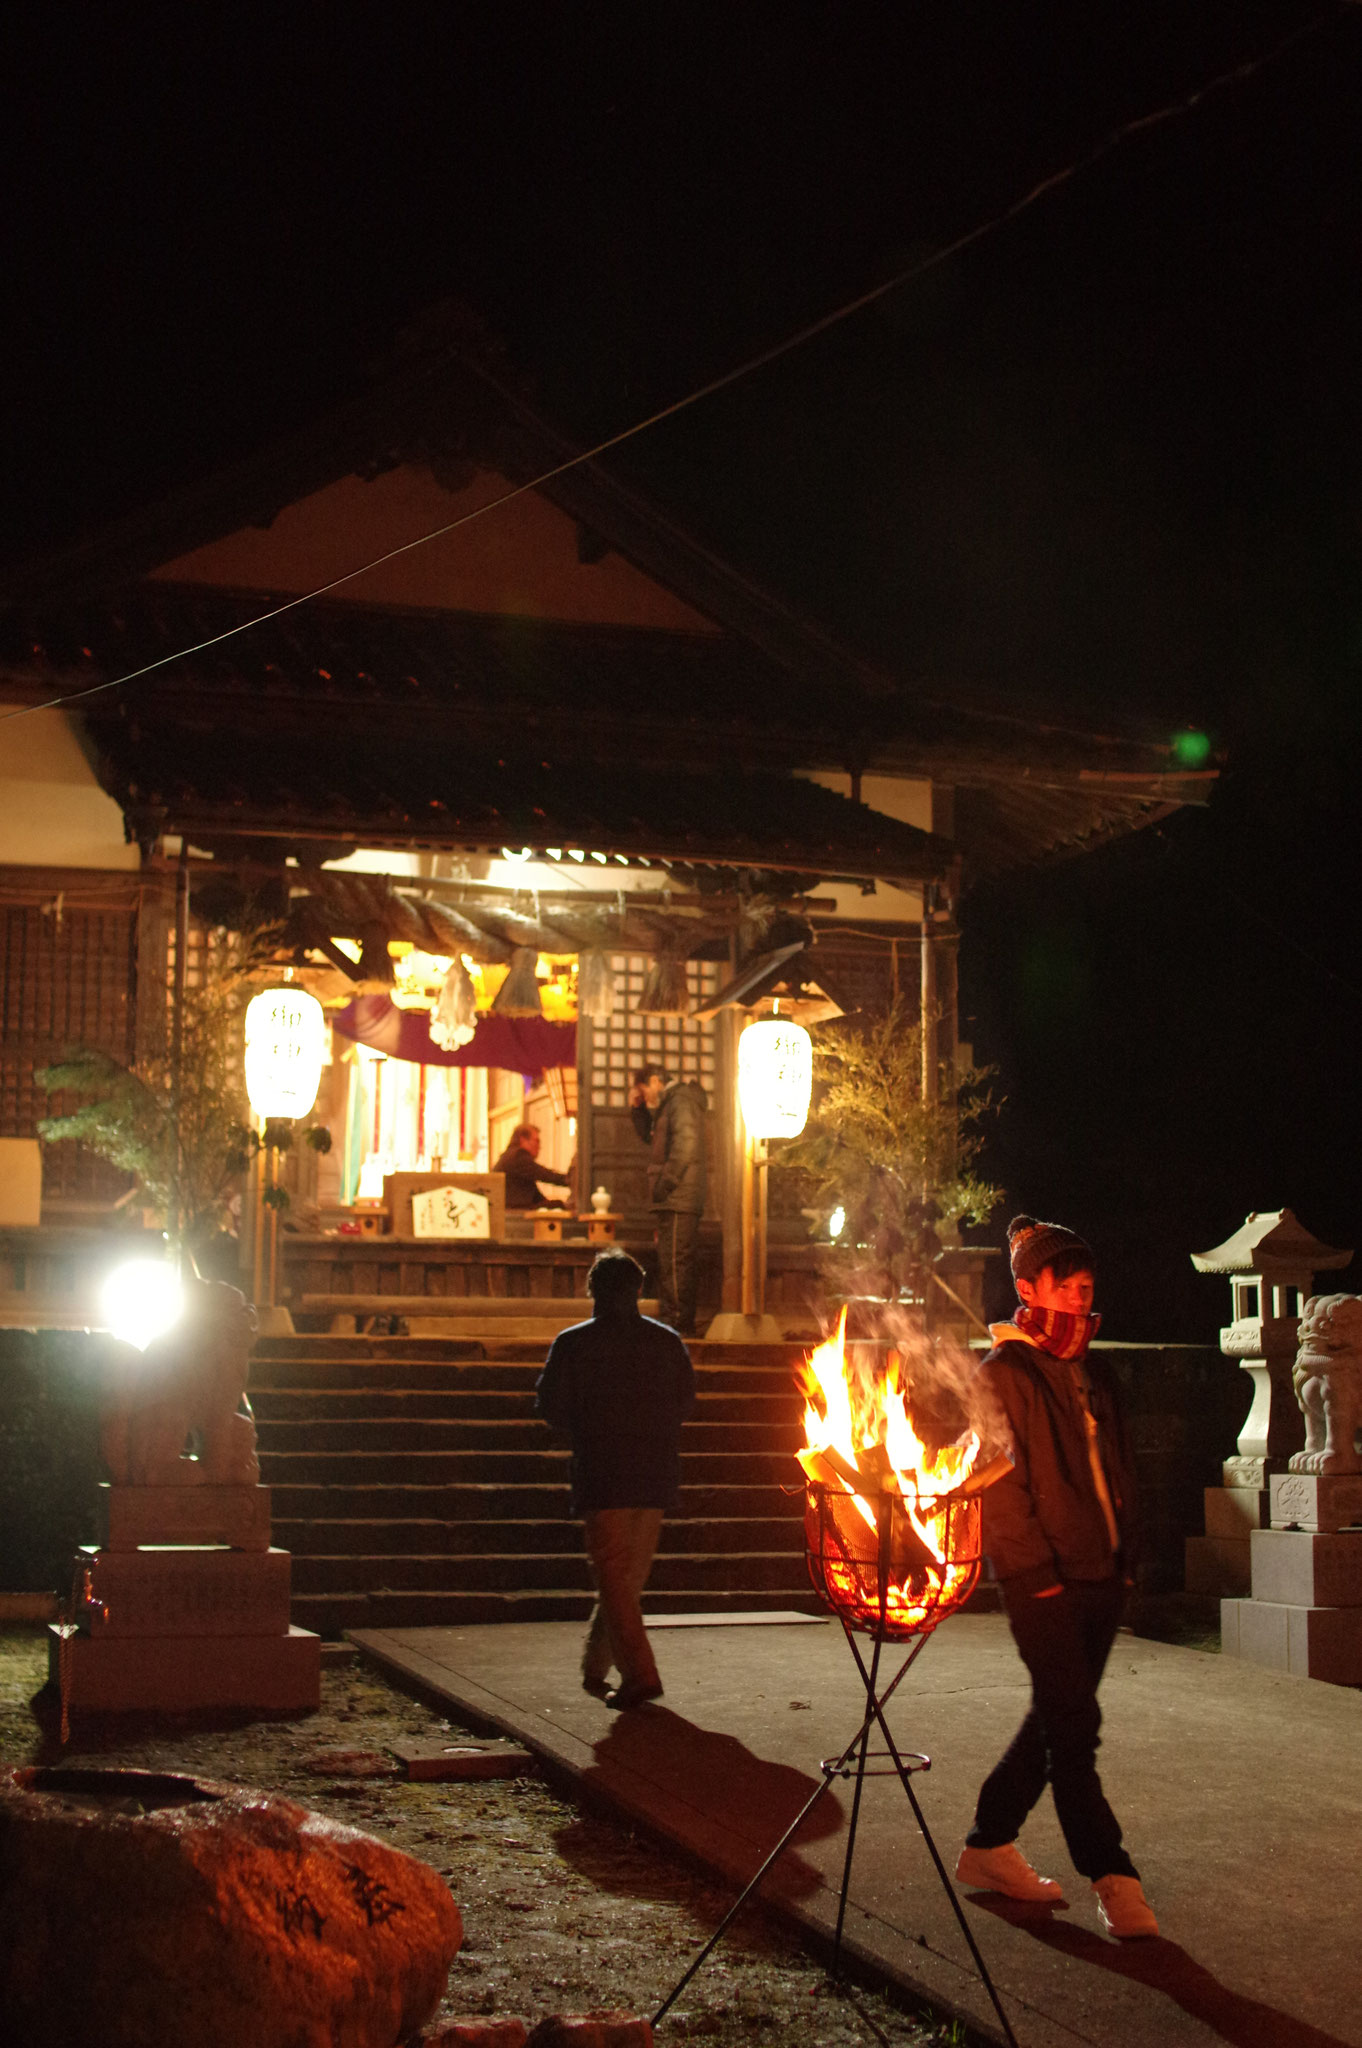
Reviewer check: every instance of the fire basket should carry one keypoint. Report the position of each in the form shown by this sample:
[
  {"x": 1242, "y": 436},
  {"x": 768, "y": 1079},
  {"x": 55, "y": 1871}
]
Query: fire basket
[{"x": 892, "y": 1538}]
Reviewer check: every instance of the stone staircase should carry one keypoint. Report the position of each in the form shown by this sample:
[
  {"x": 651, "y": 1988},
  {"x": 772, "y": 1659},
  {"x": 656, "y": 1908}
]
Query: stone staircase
[{"x": 414, "y": 1484}]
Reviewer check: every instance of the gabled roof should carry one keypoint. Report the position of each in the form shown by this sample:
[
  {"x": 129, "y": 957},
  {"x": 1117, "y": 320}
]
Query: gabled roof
[{"x": 772, "y": 690}]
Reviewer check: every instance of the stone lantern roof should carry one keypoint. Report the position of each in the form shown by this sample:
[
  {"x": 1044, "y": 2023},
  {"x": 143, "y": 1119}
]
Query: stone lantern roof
[{"x": 1271, "y": 1241}]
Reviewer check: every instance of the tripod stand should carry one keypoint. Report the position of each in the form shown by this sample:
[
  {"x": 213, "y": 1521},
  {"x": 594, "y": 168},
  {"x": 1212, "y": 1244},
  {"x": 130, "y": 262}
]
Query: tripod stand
[{"x": 889, "y": 1762}]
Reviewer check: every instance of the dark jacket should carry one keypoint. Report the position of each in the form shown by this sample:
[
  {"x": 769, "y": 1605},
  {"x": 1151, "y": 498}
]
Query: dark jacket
[
  {"x": 675, "y": 1134},
  {"x": 523, "y": 1173},
  {"x": 619, "y": 1387},
  {"x": 1043, "y": 1523}
]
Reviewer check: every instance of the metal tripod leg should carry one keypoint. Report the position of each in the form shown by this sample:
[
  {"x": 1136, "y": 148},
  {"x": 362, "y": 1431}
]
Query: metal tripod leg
[
  {"x": 876, "y": 1712},
  {"x": 856, "y": 1807},
  {"x": 838, "y": 1768},
  {"x": 830, "y": 1771}
]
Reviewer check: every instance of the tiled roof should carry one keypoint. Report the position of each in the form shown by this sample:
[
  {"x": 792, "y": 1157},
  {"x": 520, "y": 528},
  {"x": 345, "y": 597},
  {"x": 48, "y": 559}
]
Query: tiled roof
[{"x": 384, "y": 788}]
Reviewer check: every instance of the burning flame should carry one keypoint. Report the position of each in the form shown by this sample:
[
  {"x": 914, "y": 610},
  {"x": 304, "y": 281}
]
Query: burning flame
[{"x": 860, "y": 1441}]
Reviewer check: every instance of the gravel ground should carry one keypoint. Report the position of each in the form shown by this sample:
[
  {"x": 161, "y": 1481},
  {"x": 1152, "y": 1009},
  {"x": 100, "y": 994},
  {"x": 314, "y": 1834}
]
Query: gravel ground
[{"x": 563, "y": 1911}]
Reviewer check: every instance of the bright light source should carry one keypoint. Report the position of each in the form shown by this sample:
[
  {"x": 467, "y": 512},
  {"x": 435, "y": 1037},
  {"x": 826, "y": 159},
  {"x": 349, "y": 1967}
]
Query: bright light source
[
  {"x": 1191, "y": 748},
  {"x": 775, "y": 1078},
  {"x": 837, "y": 1222},
  {"x": 285, "y": 1047},
  {"x": 141, "y": 1300}
]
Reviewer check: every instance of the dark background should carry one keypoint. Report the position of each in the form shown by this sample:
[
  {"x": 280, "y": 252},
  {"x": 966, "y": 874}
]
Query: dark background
[{"x": 1108, "y": 455}]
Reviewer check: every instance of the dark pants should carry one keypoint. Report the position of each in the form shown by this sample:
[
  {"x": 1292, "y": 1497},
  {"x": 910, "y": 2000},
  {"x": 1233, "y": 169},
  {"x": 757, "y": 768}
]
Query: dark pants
[
  {"x": 677, "y": 1231},
  {"x": 1064, "y": 1642}
]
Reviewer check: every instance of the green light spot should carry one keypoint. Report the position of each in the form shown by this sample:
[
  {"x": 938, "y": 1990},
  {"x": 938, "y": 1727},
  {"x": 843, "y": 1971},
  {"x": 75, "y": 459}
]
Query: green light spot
[{"x": 1191, "y": 749}]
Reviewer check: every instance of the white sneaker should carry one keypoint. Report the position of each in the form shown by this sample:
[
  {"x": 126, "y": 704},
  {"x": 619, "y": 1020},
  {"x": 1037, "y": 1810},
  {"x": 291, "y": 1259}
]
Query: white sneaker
[
  {"x": 1006, "y": 1870},
  {"x": 1125, "y": 1910}
]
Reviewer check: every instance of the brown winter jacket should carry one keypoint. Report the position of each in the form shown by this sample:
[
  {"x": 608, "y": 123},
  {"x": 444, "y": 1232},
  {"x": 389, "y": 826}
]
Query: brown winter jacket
[{"x": 1043, "y": 1523}]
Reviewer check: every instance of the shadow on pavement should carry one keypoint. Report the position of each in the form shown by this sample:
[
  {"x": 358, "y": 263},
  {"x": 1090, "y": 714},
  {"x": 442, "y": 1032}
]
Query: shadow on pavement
[
  {"x": 1163, "y": 1966},
  {"x": 661, "y": 1755}
]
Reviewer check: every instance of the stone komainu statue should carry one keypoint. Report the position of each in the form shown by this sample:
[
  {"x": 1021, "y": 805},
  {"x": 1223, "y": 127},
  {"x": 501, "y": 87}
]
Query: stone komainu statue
[
  {"x": 1327, "y": 1377},
  {"x": 188, "y": 1384}
]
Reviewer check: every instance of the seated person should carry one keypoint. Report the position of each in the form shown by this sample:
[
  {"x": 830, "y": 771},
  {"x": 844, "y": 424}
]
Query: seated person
[{"x": 518, "y": 1163}]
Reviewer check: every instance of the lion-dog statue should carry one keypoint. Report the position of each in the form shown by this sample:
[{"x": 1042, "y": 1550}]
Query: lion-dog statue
[
  {"x": 189, "y": 1384},
  {"x": 1327, "y": 1377}
]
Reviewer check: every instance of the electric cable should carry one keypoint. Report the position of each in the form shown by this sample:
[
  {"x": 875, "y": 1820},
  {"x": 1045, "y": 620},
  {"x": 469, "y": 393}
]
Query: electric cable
[{"x": 1140, "y": 124}]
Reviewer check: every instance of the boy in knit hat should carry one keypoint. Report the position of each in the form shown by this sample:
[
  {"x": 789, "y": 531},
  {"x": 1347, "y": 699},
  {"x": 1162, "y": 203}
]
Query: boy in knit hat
[{"x": 1059, "y": 1531}]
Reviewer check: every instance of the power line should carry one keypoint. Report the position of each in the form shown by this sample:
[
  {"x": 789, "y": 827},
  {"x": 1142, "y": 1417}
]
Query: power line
[{"x": 1140, "y": 124}]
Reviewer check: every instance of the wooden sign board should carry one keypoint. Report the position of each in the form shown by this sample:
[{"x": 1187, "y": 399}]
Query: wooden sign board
[
  {"x": 399, "y": 1188},
  {"x": 451, "y": 1212}
]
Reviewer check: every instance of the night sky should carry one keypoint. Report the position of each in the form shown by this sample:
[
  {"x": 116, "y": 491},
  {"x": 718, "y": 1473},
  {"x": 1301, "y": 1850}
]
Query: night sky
[{"x": 1110, "y": 455}]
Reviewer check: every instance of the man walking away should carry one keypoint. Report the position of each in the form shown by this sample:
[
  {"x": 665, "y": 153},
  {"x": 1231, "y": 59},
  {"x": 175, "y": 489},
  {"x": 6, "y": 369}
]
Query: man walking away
[
  {"x": 619, "y": 1388},
  {"x": 1059, "y": 1530},
  {"x": 669, "y": 1116}
]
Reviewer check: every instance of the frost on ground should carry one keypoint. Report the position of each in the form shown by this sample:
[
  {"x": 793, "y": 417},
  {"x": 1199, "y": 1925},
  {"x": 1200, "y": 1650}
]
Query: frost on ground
[{"x": 563, "y": 1910}]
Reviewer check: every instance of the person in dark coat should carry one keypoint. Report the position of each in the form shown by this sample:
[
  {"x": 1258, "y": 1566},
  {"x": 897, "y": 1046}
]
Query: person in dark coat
[
  {"x": 520, "y": 1164},
  {"x": 1060, "y": 1531},
  {"x": 669, "y": 1116},
  {"x": 619, "y": 1388}
]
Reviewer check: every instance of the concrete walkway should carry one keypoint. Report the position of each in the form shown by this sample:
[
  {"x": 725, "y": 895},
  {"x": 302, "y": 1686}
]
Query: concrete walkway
[{"x": 1240, "y": 1792}]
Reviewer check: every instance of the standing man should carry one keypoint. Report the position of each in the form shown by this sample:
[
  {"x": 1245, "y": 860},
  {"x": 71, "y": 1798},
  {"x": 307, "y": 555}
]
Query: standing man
[
  {"x": 669, "y": 1116},
  {"x": 1059, "y": 1530},
  {"x": 520, "y": 1164},
  {"x": 619, "y": 1388}
]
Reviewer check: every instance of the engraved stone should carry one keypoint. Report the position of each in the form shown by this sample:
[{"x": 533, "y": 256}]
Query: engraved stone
[
  {"x": 184, "y": 1590},
  {"x": 138, "y": 1907},
  {"x": 1306, "y": 1500}
]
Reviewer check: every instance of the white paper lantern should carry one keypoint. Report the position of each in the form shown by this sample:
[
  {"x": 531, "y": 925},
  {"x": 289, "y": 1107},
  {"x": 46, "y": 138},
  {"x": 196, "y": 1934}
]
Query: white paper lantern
[
  {"x": 775, "y": 1078},
  {"x": 285, "y": 1046}
]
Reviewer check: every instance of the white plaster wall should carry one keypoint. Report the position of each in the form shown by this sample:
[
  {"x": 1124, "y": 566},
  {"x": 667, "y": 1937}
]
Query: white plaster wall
[
  {"x": 907, "y": 798},
  {"x": 53, "y": 813}
]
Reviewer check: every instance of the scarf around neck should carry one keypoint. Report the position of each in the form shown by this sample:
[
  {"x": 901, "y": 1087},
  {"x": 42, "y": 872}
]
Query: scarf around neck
[{"x": 1053, "y": 1330}]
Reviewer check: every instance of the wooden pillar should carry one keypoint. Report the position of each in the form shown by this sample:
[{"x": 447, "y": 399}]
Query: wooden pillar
[
  {"x": 931, "y": 1070},
  {"x": 586, "y": 1162},
  {"x": 730, "y": 1152}
]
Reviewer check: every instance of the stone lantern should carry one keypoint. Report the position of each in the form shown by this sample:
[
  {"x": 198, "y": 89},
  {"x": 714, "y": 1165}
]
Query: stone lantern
[{"x": 1270, "y": 1262}]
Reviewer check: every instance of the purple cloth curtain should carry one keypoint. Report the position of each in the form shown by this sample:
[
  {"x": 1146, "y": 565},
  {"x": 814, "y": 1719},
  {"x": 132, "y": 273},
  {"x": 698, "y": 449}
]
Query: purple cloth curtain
[{"x": 523, "y": 1045}]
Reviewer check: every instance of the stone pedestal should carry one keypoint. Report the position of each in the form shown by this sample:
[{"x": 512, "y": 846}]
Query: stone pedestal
[
  {"x": 184, "y": 1590},
  {"x": 131, "y": 1515},
  {"x": 109, "y": 1674},
  {"x": 1218, "y": 1562},
  {"x": 184, "y": 1605},
  {"x": 1308, "y": 1500},
  {"x": 1305, "y": 1612}
]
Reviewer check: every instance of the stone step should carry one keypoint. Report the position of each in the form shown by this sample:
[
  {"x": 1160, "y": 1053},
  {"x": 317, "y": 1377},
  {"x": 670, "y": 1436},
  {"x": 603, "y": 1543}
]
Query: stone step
[
  {"x": 563, "y": 1536},
  {"x": 330, "y": 1614},
  {"x": 439, "y": 1434},
  {"x": 279, "y": 1351},
  {"x": 483, "y": 1501},
  {"x": 768, "y": 1571},
  {"x": 500, "y": 1468},
  {"x": 311, "y": 1406},
  {"x": 479, "y": 1374}
]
